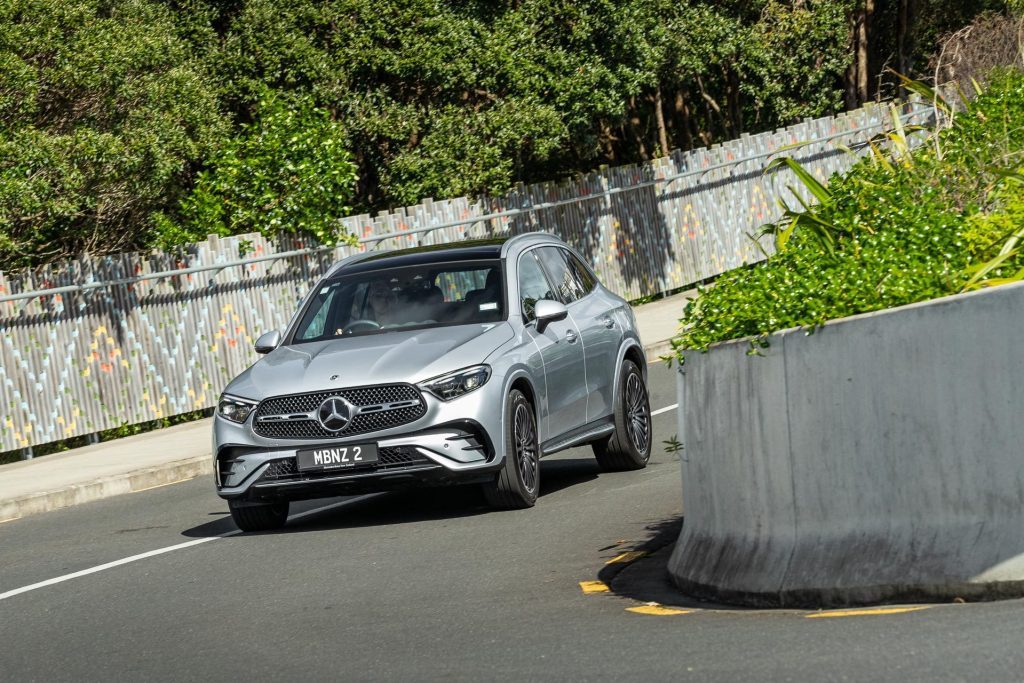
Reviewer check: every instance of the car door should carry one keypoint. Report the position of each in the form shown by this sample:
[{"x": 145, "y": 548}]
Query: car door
[
  {"x": 596, "y": 322},
  {"x": 560, "y": 349}
]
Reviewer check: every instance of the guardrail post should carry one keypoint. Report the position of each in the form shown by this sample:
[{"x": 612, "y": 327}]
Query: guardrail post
[{"x": 26, "y": 453}]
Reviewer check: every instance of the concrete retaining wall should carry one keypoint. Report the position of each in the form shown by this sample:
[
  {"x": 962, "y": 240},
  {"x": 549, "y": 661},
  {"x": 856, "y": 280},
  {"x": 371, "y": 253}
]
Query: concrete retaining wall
[{"x": 879, "y": 458}]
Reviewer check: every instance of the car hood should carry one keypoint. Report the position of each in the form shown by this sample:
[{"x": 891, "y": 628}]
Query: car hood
[{"x": 402, "y": 356}]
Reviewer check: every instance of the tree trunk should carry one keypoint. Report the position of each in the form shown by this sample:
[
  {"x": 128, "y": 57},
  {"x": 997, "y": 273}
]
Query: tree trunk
[
  {"x": 735, "y": 106},
  {"x": 683, "y": 111},
  {"x": 864, "y": 51},
  {"x": 850, "y": 77},
  {"x": 634, "y": 125},
  {"x": 607, "y": 141},
  {"x": 711, "y": 109},
  {"x": 902, "y": 34},
  {"x": 659, "y": 118}
]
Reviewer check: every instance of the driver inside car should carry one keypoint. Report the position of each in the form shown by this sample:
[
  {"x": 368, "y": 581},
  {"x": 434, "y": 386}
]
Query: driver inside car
[{"x": 383, "y": 303}]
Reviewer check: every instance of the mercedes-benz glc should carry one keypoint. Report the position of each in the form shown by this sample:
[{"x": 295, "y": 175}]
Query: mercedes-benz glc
[{"x": 456, "y": 364}]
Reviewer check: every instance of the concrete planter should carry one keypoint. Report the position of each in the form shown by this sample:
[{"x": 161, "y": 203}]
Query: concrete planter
[{"x": 879, "y": 458}]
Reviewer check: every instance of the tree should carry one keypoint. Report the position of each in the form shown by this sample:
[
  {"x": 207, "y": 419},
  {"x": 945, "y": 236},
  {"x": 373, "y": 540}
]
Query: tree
[
  {"x": 287, "y": 172},
  {"x": 104, "y": 110}
]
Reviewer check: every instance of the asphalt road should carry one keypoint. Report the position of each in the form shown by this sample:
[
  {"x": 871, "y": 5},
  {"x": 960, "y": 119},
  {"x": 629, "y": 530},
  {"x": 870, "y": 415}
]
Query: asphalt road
[{"x": 433, "y": 585}]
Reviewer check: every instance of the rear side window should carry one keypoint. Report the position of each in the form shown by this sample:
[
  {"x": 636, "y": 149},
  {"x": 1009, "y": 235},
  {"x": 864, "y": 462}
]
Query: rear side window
[
  {"x": 582, "y": 273},
  {"x": 567, "y": 284},
  {"x": 533, "y": 284}
]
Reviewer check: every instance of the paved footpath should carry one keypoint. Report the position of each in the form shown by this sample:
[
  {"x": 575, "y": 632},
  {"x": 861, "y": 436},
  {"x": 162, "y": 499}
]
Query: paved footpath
[{"x": 179, "y": 453}]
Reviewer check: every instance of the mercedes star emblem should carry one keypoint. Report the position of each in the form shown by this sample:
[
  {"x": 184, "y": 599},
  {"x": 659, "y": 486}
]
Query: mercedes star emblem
[{"x": 335, "y": 413}]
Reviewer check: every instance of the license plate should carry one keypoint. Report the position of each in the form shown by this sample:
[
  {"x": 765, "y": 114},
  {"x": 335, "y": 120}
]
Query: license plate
[{"x": 337, "y": 457}]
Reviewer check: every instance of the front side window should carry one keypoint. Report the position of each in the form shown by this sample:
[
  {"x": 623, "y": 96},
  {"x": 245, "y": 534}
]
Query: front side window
[
  {"x": 533, "y": 285},
  {"x": 410, "y": 297},
  {"x": 318, "y": 321}
]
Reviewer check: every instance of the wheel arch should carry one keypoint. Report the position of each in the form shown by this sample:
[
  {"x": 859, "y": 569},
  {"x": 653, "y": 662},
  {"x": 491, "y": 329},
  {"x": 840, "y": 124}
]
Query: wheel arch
[
  {"x": 631, "y": 350},
  {"x": 521, "y": 380}
]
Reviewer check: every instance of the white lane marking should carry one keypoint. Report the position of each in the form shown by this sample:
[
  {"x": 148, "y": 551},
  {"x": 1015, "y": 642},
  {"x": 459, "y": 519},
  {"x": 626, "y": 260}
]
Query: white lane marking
[
  {"x": 198, "y": 541},
  {"x": 168, "y": 549}
]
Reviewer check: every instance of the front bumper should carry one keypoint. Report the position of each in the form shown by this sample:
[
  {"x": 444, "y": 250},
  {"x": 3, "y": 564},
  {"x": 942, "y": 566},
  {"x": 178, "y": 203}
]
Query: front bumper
[
  {"x": 454, "y": 442},
  {"x": 415, "y": 459}
]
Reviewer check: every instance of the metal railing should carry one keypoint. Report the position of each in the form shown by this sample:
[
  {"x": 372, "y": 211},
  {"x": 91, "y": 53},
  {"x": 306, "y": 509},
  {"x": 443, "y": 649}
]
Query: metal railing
[
  {"x": 509, "y": 213},
  {"x": 126, "y": 346}
]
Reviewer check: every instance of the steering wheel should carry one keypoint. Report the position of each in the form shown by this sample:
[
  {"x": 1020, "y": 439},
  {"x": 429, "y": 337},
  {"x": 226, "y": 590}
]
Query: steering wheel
[{"x": 359, "y": 325}]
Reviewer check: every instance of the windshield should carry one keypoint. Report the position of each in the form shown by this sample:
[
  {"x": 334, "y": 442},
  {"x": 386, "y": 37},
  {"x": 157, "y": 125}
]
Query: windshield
[{"x": 411, "y": 297}]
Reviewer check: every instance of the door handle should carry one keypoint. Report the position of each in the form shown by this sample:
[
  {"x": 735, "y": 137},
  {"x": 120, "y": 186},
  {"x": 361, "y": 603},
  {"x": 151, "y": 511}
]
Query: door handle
[
  {"x": 571, "y": 336},
  {"x": 608, "y": 322}
]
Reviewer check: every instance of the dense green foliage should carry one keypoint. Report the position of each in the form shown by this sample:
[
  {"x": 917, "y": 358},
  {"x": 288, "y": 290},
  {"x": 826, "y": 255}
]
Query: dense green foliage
[
  {"x": 289, "y": 171},
  {"x": 130, "y": 123},
  {"x": 898, "y": 228},
  {"x": 102, "y": 112}
]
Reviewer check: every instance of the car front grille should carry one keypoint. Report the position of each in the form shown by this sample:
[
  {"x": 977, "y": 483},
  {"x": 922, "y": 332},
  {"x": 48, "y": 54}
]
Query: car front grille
[
  {"x": 376, "y": 399},
  {"x": 390, "y": 458}
]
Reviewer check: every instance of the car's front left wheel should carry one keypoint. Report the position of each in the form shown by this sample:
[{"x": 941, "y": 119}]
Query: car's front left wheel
[
  {"x": 258, "y": 517},
  {"x": 518, "y": 482}
]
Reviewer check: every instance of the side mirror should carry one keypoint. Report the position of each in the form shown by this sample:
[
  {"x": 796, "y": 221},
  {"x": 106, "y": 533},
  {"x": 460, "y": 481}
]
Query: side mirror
[
  {"x": 268, "y": 341},
  {"x": 547, "y": 311}
]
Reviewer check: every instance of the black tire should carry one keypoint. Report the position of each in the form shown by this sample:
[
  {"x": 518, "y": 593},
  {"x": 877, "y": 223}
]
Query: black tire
[
  {"x": 262, "y": 517},
  {"x": 518, "y": 482},
  {"x": 629, "y": 446}
]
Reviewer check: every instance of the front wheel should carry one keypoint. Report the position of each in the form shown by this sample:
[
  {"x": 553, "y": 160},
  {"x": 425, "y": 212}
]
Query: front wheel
[
  {"x": 518, "y": 482},
  {"x": 259, "y": 517},
  {"x": 629, "y": 446}
]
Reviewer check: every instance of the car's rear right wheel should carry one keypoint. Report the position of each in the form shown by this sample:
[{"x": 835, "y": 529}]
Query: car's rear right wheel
[
  {"x": 518, "y": 482},
  {"x": 258, "y": 517}
]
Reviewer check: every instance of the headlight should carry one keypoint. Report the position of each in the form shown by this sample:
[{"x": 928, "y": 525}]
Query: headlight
[
  {"x": 458, "y": 383},
  {"x": 235, "y": 409}
]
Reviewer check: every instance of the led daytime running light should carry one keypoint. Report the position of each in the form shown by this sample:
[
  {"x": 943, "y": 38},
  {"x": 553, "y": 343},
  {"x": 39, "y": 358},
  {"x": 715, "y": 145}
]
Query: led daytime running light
[
  {"x": 235, "y": 409},
  {"x": 458, "y": 383}
]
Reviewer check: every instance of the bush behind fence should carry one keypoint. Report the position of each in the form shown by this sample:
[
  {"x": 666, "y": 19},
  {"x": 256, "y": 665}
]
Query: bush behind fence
[{"x": 79, "y": 362}]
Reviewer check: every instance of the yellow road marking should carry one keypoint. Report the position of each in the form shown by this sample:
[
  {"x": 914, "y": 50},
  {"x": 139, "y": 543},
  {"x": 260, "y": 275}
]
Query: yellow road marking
[
  {"x": 657, "y": 610},
  {"x": 9, "y": 519},
  {"x": 158, "y": 486},
  {"x": 627, "y": 557},
  {"x": 865, "y": 612},
  {"x": 589, "y": 587}
]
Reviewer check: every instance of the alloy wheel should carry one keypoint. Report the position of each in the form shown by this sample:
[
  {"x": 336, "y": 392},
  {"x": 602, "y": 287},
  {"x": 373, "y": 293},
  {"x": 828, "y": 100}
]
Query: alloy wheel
[
  {"x": 526, "y": 446},
  {"x": 638, "y": 414}
]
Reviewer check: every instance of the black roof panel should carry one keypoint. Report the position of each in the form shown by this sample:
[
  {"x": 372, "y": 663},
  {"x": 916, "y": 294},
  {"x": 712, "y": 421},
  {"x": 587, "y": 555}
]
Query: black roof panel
[{"x": 470, "y": 250}]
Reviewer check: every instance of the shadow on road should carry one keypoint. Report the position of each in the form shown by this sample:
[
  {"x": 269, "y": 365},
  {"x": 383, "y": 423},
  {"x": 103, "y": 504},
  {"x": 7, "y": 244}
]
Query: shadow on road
[
  {"x": 416, "y": 505},
  {"x": 647, "y": 579}
]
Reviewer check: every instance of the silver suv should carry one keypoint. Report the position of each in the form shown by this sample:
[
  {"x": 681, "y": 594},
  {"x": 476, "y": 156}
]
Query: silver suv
[{"x": 453, "y": 364}]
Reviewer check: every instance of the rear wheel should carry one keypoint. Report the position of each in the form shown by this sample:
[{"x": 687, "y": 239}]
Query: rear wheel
[
  {"x": 259, "y": 517},
  {"x": 629, "y": 446},
  {"x": 518, "y": 482}
]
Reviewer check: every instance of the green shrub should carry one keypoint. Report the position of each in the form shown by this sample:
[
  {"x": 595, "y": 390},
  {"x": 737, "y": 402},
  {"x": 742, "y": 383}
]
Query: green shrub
[
  {"x": 288, "y": 172},
  {"x": 899, "y": 230},
  {"x": 104, "y": 107}
]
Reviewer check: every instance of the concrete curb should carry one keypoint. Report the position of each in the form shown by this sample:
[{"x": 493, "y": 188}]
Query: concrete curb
[
  {"x": 657, "y": 350},
  {"x": 106, "y": 487}
]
